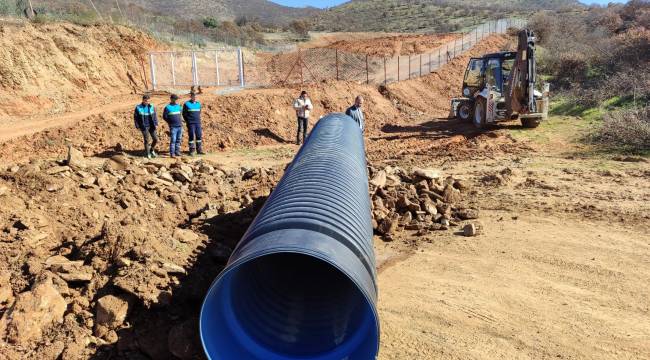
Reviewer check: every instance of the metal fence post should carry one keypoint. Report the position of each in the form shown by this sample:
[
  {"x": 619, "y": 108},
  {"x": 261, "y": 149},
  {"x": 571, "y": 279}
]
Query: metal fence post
[
  {"x": 420, "y": 65},
  {"x": 409, "y": 67},
  {"x": 152, "y": 65},
  {"x": 462, "y": 43},
  {"x": 398, "y": 69},
  {"x": 173, "y": 59},
  {"x": 439, "y": 50},
  {"x": 367, "y": 71},
  {"x": 216, "y": 63},
  {"x": 337, "y": 63},
  {"x": 429, "y": 63},
  {"x": 385, "y": 74},
  {"x": 240, "y": 61}
]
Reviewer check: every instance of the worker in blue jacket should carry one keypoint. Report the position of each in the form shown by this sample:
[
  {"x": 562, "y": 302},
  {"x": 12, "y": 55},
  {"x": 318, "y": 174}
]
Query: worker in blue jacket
[
  {"x": 146, "y": 121},
  {"x": 192, "y": 116},
  {"x": 173, "y": 116}
]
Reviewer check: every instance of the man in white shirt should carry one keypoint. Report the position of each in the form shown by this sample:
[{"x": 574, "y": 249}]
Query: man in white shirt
[{"x": 303, "y": 107}]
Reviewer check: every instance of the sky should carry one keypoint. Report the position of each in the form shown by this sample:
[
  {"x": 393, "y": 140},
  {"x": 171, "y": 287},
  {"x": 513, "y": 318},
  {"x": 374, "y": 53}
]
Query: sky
[{"x": 327, "y": 3}]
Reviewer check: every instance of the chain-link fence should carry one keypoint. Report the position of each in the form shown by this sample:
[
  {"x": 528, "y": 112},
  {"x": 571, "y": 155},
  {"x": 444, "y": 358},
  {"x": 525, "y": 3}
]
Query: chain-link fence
[
  {"x": 234, "y": 68},
  {"x": 171, "y": 69}
]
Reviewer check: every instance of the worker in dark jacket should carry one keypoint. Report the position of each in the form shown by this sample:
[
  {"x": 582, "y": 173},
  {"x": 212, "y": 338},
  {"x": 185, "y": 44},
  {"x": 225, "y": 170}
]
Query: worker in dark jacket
[
  {"x": 356, "y": 112},
  {"x": 146, "y": 121},
  {"x": 172, "y": 115},
  {"x": 192, "y": 116}
]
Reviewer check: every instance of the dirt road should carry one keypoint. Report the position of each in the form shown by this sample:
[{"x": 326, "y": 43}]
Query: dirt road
[
  {"x": 16, "y": 129},
  {"x": 539, "y": 287}
]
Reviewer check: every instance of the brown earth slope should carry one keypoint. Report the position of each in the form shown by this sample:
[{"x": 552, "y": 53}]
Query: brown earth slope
[{"x": 59, "y": 67}]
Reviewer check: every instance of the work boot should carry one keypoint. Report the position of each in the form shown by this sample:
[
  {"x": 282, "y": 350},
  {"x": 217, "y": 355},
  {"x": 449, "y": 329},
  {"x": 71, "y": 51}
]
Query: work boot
[
  {"x": 153, "y": 154},
  {"x": 192, "y": 153},
  {"x": 149, "y": 156}
]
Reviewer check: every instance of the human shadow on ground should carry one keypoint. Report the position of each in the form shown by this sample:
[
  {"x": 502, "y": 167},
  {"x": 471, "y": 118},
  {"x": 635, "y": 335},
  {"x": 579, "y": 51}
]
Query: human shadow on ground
[{"x": 266, "y": 132}]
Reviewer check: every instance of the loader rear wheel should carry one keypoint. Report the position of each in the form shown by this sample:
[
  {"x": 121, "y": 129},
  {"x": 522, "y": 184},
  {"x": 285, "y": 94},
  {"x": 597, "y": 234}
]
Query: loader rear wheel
[
  {"x": 530, "y": 123},
  {"x": 465, "y": 111},
  {"x": 479, "y": 113}
]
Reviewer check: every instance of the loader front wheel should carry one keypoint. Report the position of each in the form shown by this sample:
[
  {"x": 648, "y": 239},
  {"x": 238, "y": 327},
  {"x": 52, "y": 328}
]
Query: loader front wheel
[
  {"x": 530, "y": 122},
  {"x": 465, "y": 111}
]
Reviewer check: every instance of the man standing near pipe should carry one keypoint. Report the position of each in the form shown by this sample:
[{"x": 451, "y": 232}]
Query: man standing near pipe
[
  {"x": 356, "y": 112},
  {"x": 146, "y": 121},
  {"x": 192, "y": 116},
  {"x": 172, "y": 115},
  {"x": 303, "y": 107}
]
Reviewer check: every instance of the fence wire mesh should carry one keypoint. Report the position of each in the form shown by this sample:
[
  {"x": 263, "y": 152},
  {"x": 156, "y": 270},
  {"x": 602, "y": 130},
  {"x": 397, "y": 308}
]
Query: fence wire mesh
[{"x": 228, "y": 68}]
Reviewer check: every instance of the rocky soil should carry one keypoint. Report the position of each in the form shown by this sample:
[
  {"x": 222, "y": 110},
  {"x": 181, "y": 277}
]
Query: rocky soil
[{"x": 90, "y": 247}]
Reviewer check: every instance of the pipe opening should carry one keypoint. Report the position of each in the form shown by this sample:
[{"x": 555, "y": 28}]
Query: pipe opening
[{"x": 288, "y": 306}]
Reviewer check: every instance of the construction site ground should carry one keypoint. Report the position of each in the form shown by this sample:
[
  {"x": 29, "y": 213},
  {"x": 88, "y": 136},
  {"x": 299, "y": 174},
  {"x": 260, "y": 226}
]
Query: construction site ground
[{"x": 110, "y": 256}]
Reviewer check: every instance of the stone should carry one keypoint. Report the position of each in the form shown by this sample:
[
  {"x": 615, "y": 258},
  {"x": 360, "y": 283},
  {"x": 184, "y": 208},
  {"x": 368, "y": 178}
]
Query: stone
[
  {"x": 104, "y": 181},
  {"x": 379, "y": 204},
  {"x": 118, "y": 162},
  {"x": 393, "y": 181},
  {"x": 413, "y": 207},
  {"x": 57, "y": 170},
  {"x": 53, "y": 187},
  {"x": 175, "y": 199},
  {"x": 468, "y": 214},
  {"x": 429, "y": 207},
  {"x": 111, "y": 311},
  {"x": 462, "y": 185},
  {"x": 166, "y": 176},
  {"x": 173, "y": 269},
  {"x": 123, "y": 262},
  {"x": 379, "y": 180},
  {"x": 403, "y": 202},
  {"x": 181, "y": 176},
  {"x": 70, "y": 271},
  {"x": 185, "y": 236},
  {"x": 33, "y": 312},
  {"x": 389, "y": 225},
  {"x": 75, "y": 158},
  {"x": 451, "y": 195},
  {"x": 470, "y": 230},
  {"x": 14, "y": 169},
  {"x": 428, "y": 174},
  {"x": 88, "y": 182},
  {"x": 3, "y": 190},
  {"x": 406, "y": 218}
]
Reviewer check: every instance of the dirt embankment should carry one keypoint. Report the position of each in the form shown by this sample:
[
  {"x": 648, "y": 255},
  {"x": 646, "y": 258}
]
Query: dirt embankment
[
  {"x": 60, "y": 67},
  {"x": 410, "y": 44}
]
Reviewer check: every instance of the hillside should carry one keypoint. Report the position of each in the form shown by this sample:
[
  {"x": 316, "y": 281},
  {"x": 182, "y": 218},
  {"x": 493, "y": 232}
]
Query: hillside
[
  {"x": 425, "y": 15},
  {"x": 53, "y": 68},
  {"x": 263, "y": 10}
]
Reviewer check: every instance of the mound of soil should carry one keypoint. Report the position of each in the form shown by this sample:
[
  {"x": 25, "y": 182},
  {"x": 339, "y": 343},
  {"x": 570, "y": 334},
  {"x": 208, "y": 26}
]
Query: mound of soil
[
  {"x": 89, "y": 246},
  {"x": 58, "y": 67},
  {"x": 388, "y": 46}
]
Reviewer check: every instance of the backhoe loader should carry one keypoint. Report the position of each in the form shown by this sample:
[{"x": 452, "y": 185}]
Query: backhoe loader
[{"x": 501, "y": 86}]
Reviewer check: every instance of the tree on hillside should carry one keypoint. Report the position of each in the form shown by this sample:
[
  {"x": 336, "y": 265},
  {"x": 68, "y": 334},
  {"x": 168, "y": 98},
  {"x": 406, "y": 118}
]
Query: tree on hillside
[{"x": 300, "y": 27}]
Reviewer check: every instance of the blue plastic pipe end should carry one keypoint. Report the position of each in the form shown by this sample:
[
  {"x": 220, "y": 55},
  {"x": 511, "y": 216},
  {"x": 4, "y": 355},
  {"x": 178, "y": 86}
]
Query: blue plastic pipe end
[
  {"x": 286, "y": 306},
  {"x": 301, "y": 283}
]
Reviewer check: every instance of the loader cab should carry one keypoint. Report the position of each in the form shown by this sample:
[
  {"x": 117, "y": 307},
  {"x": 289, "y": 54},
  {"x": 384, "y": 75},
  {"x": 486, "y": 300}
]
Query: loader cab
[{"x": 491, "y": 68}]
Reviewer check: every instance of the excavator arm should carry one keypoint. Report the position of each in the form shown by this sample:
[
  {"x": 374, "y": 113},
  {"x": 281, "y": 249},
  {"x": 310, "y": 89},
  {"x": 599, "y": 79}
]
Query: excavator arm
[{"x": 520, "y": 97}]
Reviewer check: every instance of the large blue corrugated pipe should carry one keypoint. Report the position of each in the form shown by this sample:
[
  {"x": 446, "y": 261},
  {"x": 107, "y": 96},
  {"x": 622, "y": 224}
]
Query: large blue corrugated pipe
[{"x": 301, "y": 284}]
